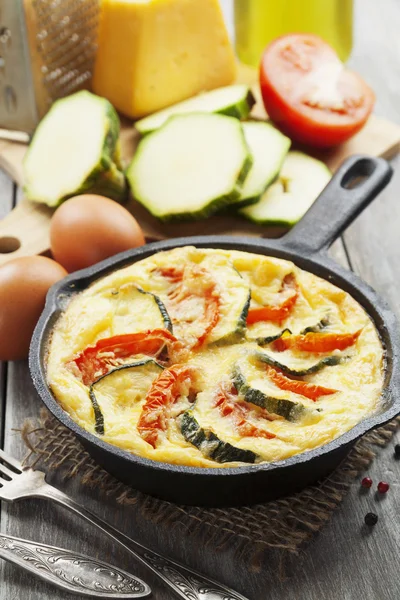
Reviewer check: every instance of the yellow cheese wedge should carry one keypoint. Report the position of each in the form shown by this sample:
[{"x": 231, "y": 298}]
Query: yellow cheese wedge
[{"x": 154, "y": 53}]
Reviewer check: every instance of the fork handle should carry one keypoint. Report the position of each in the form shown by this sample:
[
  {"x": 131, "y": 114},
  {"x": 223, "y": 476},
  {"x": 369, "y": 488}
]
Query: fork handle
[
  {"x": 186, "y": 583},
  {"x": 70, "y": 571}
]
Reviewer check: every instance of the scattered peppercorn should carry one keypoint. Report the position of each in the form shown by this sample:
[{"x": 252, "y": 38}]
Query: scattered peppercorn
[
  {"x": 383, "y": 487},
  {"x": 366, "y": 482},
  {"x": 397, "y": 450},
  {"x": 371, "y": 519}
]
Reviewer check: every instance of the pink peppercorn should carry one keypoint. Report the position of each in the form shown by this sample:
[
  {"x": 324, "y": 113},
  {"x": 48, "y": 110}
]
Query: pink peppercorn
[
  {"x": 383, "y": 487},
  {"x": 366, "y": 482}
]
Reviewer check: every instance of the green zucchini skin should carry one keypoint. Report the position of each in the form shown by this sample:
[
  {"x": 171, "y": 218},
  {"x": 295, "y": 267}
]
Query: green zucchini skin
[
  {"x": 301, "y": 179},
  {"x": 323, "y": 324},
  {"x": 98, "y": 415},
  {"x": 239, "y": 109},
  {"x": 161, "y": 306},
  {"x": 99, "y": 426},
  {"x": 147, "y": 151},
  {"x": 105, "y": 178},
  {"x": 112, "y": 184},
  {"x": 264, "y": 341},
  {"x": 211, "y": 445},
  {"x": 242, "y": 109},
  {"x": 238, "y": 335},
  {"x": 291, "y": 411},
  {"x": 242, "y": 323},
  {"x": 328, "y": 361},
  {"x": 263, "y": 140}
]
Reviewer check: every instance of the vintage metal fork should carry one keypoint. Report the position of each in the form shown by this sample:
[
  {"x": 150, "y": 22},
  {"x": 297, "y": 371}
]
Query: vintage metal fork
[{"x": 18, "y": 483}]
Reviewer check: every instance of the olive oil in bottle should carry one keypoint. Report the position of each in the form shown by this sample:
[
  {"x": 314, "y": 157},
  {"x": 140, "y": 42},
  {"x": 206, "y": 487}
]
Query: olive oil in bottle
[{"x": 258, "y": 22}]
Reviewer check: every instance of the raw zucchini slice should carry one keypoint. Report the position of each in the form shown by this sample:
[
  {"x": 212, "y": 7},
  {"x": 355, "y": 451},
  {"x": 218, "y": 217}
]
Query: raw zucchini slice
[
  {"x": 300, "y": 182},
  {"x": 242, "y": 381},
  {"x": 268, "y": 148},
  {"x": 233, "y": 100},
  {"x": 111, "y": 387},
  {"x": 191, "y": 167},
  {"x": 137, "y": 310},
  {"x": 210, "y": 445},
  {"x": 72, "y": 147},
  {"x": 298, "y": 367},
  {"x": 112, "y": 184}
]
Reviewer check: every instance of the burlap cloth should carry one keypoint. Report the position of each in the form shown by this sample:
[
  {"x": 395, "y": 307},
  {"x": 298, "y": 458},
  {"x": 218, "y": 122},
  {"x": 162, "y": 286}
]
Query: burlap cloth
[{"x": 284, "y": 524}]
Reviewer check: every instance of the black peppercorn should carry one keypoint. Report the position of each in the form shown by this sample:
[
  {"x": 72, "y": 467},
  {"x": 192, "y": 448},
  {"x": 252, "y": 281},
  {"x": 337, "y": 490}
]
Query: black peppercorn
[
  {"x": 371, "y": 519},
  {"x": 397, "y": 450}
]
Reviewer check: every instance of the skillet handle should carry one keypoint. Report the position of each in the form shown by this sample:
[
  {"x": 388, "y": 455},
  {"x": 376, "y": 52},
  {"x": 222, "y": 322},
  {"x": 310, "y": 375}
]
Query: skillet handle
[{"x": 354, "y": 185}]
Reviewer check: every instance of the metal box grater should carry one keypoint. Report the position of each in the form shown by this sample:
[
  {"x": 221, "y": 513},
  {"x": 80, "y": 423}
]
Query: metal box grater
[{"x": 47, "y": 51}]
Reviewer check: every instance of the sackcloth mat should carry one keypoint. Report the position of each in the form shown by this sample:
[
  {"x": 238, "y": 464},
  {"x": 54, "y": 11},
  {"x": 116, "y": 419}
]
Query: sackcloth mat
[{"x": 285, "y": 524}]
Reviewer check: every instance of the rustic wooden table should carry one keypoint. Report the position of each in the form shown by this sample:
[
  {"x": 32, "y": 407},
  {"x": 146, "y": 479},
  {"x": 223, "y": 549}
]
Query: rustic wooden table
[{"x": 342, "y": 562}]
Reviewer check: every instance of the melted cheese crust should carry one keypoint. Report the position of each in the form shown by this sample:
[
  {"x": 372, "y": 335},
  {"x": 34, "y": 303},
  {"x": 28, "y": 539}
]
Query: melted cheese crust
[{"x": 92, "y": 315}]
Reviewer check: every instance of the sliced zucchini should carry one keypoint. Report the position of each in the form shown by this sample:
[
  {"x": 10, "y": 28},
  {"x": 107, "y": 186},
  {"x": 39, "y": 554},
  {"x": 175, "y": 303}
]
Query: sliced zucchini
[
  {"x": 234, "y": 305},
  {"x": 323, "y": 324},
  {"x": 298, "y": 367},
  {"x": 233, "y": 323},
  {"x": 108, "y": 386},
  {"x": 301, "y": 180},
  {"x": 191, "y": 167},
  {"x": 268, "y": 148},
  {"x": 291, "y": 411},
  {"x": 234, "y": 294},
  {"x": 210, "y": 445},
  {"x": 112, "y": 184},
  {"x": 98, "y": 415},
  {"x": 137, "y": 310},
  {"x": 72, "y": 147},
  {"x": 264, "y": 341},
  {"x": 233, "y": 100}
]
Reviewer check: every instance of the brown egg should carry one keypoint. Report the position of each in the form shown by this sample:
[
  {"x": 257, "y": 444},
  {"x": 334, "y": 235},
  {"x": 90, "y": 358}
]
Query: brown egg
[
  {"x": 24, "y": 283},
  {"x": 87, "y": 229}
]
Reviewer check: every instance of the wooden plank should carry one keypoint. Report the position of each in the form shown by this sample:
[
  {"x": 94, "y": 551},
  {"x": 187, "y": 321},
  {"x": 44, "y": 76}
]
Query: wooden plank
[{"x": 7, "y": 196}]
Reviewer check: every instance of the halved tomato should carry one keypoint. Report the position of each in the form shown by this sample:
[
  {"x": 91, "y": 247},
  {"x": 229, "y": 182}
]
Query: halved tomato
[{"x": 309, "y": 93}]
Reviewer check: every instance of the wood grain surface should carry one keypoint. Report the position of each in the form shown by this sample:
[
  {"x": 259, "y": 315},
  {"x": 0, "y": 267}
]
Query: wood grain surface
[{"x": 344, "y": 562}]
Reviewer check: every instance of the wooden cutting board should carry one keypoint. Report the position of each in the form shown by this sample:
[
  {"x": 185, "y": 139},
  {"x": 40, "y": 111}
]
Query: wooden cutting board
[{"x": 27, "y": 226}]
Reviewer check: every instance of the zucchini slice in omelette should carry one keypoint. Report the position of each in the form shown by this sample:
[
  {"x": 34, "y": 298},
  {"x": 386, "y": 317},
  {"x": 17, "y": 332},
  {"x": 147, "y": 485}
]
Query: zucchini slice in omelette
[{"x": 215, "y": 358}]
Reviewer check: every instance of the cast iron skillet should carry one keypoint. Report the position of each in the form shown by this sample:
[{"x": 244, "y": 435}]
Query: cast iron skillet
[{"x": 352, "y": 188}]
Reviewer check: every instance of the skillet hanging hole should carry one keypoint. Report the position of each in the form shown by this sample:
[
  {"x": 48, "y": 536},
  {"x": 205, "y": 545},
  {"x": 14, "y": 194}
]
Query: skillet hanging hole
[
  {"x": 358, "y": 174},
  {"x": 9, "y": 244}
]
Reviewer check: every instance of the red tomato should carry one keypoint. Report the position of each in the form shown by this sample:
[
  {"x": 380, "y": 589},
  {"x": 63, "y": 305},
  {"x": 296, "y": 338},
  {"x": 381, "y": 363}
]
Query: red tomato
[
  {"x": 95, "y": 361},
  {"x": 317, "y": 342},
  {"x": 309, "y": 390},
  {"x": 280, "y": 312},
  {"x": 309, "y": 94}
]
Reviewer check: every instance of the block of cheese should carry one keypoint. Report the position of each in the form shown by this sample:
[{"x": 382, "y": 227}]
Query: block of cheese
[{"x": 154, "y": 53}]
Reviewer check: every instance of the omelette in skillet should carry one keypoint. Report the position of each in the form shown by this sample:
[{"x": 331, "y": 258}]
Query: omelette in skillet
[{"x": 213, "y": 358}]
